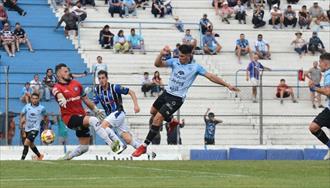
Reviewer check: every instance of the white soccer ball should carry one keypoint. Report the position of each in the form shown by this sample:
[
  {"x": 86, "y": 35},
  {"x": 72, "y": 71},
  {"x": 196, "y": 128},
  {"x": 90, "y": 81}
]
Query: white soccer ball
[{"x": 47, "y": 136}]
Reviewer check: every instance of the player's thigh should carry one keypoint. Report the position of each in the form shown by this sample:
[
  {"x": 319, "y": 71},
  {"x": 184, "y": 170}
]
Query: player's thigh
[
  {"x": 321, "y": 120},
  {"x": 169, "y": 108},
  {"x": 30, "y": 137},
  {"x": 77, "y": 122},
  {"x": 159, "y": 102}
]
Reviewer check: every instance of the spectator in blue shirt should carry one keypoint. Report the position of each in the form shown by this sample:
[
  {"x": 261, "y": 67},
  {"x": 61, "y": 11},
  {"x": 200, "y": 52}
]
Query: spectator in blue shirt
[
  {"x": 242, "y": 48},
  {"x": 26, "y": 93},
  {"x": 136, "y": 41},
  {"x": 210, "y": 123},
  {"x": 210, "y": 44},
  {"x": 129, "y": 7},
  {"x": 189, "y": 39},
  {"x": 205, "y": 24},
  {"x": 176, "y": 51},
  {"x": 178, "y": 24},
  {"x": 116, "y": 6}
]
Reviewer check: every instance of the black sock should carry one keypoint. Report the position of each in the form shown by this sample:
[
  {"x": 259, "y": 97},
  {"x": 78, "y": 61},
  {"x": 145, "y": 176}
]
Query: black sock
[
  {"x": 154, "y": 130},
  {"x": 321, "y": 136},
  {"x": 35, "y": 150},
  {"x": 25, "y": 151}
]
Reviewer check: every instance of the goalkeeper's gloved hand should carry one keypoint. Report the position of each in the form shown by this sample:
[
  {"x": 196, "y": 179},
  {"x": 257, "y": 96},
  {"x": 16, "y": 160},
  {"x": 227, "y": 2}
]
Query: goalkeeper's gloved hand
[
  {"x": 61, "y": 100},
  {"x": 99, "y": 114}
]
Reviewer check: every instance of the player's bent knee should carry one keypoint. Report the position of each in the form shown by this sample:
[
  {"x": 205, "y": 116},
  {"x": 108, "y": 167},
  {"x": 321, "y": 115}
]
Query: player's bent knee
[{"x": 158, "y": 119}]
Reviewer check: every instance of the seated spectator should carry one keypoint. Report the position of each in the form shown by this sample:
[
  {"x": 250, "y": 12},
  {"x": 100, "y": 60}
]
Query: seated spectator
[
  {"x": 304, "y": 18},
  {"x": 242, "y": 48},
  {"x": 37, "y": 86},
  {"x": 167, "y": 54},
  {"x": 106, "y": 37},
  {"x": 299, "y": 43},
  {"x": 176, "y": 51},
  {"x": 226, "y": 12},
  {"x": 157, "y": 84},
  {"x": 146, "y": 84},
  {"x": 173, "y": 131},
  {"x": 116, "y": 6},
  {"x": 70, "y": 21},
  {"x": 189, "y": 39},
  {"x": 26, "y": 93},
  {"x": 86, "y": 2},
  {"x": 240, "y": 12},
  {"x": 205, "y": 24},
  {"x": 49, "y": 82},
  {"x": 292, "y": 1},
  {"x": 3, "y": 16},
  {"x": 141, "y": 3},
  {"x": 178, "y": 24},
  {"x": 79, "y": 12},
  {"x": 258, "y": 17},
  {"x": 8, "y": 40},
  {"x": 216, "y": 4},
  {"x": 56, "y": 3},
  {"x": 290, "y": 17},
  {"x": 231, "y": 3},
  {"x": 316, "y": 13},
  {"x": 129, "y": 7},
  {"x": 12, "y": 5},
  {"x": 315, "y": 44},
  {"x": 284, "y": 91},
  {"x": 168, "y": 7},
  {"x": 121, "y": 44},
  {"x": 21, "y": 37},
  {"x": 273, "y": 2},
  {"x": 136, "y": 42},
  {"x": 157, "y": 8},
  {"x": 210, "y": 44},
  {"x": 276, "y": 17},
  {"x": 262, "y": 48}
]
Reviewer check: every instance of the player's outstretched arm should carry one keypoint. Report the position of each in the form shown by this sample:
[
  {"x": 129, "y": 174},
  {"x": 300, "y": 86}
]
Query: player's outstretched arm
[
  {"x": 135, "y": 101},
  {"x": 159, "y": 62},
  {"x": 92, "y": 106},
  {"x": 217, "y": 80}
]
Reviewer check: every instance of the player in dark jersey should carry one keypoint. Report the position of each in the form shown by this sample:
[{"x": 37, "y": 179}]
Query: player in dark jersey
[{"x": 69, "y": 94}]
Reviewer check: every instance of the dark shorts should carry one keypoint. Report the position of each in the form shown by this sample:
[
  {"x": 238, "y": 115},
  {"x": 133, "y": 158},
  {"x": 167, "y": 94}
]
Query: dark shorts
[
  {"x": 167, "y": 104},
  {"x": 76, "y": 123},
  {"x": 285, "y": 95},
  {"x": 31, "y": 135},
  {"x": 323, "y": 119},
  {"x": 313, "y": 90},
  {"x": 209, "y": 141},
  {"x": 68, "y": 28}
]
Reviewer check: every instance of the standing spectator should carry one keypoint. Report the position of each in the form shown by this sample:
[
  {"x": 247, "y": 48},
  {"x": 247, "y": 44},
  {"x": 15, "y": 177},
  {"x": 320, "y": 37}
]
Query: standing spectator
[
  {"x": 290, "y": 17},
  {"x": 49, "y": 82},
  {"x": 315, "y": 44},
  {"x": 62, "y": 131},
  {"x": 242, "y": 48},
  {"x": 79, "y": 12},
  {"x": 136, "y": 41},
  {"x": 12, "y": 5},
  {"x": 36, "y": 86},
  {"x": 210, "y": 44},
  {"x": 189, "y": 39},
  {"x": 98, "y": 66},
  {"x": 85, "y": 2},
  {"x": 176, "y": 51},
  {"x": 205, "y": 24},
  {"x": 146, "y": 84},
  {"x": 273, "y": 2},
  {"x": 226, "y": 12},
  {"x": 121, "y": 44},
  {"x": 106, "y": 37},
  {"x": 26, "y": 93},
  {"x": 8, "y": 40},
  {"x": 157, "y": 84},
  {"x": 314, "y": 75},
  {"x": 129, "y": 7},
  {"x": 304, "y": 18},
  {"x": 157, "y": 7},
  {"x": 253, "y": 73},
  {"x": 178, "y": 24},
  {"x": 262, "y": 48},
  {"x": 210, "y": 124},
  {"x": 3, "y": 16},
  {"x": 173, "y": 131},
  {"x": 284, "y": 91},
  {"x": 70, "y": 21},
  {"x": 258, "y": 17},
  {"x": 316, "y": 13},
  {"x": 47, "y": 123},
  {"x": 116, "y": 6},
  {"x": 276, "y": 17},
  {"x": 21, "y": 37},
  {"x": 240, "y": 12},
  {"x": 299, "y": 43}
]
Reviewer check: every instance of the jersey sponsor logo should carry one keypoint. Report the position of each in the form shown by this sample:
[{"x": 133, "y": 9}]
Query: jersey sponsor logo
[
  {"x": 181, "y": 73},
  {"x": 74, "y": 99},
  {"x": 76, "y": 88},
  {"x": 66, "y": 91}
]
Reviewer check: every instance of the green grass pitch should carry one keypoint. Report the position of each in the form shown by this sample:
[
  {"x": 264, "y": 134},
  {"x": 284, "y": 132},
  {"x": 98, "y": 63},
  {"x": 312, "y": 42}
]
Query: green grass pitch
[{"x": 161, "y": 174}]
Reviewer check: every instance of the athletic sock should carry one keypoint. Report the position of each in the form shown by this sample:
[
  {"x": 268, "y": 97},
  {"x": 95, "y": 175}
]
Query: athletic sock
[
  {"x": 135, "y": 143},
  {"x": 154, "y": 130},
  {"x": 78, "y": 151},
  {"x": 35, "y": 150},
  {"x": 25, "y": 151},
  {"x": 95, "y": 123},
  {"x": 322, "y": 137},
  {"x": 113, "y": 136}
]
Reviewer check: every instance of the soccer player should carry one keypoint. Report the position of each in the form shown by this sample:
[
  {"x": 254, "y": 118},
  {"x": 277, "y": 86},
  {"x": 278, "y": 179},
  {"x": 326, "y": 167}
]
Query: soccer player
[
  {"x": 323, "y": 119},
  {"x": 184, "y": 71},
  {"x": 30, "y": 120},
  {"x": 69, "y": 94}
]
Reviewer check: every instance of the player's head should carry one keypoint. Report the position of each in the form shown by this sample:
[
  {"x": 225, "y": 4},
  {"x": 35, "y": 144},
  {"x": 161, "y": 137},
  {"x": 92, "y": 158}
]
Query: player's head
[
  {"x": 255, "y": 57},
  {"x": 63, "y": 72},
  {"x": 185, "y": 53},
  {"x": 103, "y": 77},
  {"x": 35, "y": 99},
  {"x": 211, "y": 115},
  {"x": 324, "y": 62}
]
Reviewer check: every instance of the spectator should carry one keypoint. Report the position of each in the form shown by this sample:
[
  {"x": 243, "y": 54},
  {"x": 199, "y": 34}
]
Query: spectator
[
  {"x": 176, "y": 52},
  {"x": 79, "y": 12},
  {"x": 258, "y": 16},
  {"x": 146, "y": 84},
  {"x": 56, "y": 3},
  {"x": 299, "y": 43},
  {"x": 21, "y": 37},
  {"x": 90, "y": 2},
  {"x": 210, "y": 44},
  {"x": 121, "y": 44},
  {"x": 62, "y": 131},
  {"x": 315, "y": 44},
  {"x": 129, "y": 7},
  {"x": 292, "y": 1},
  {"x": 226, "y": 12},
  {"x": 231, "y": 3},
  {"x": 157, "y": 7},
  {"x": 3, "y": 16},
  {"x": 136, "y": 42},
  {"x": 253, "y": 73},
  {"x": 49, "y": 82},
  {"x": 46, "y": 123},
  {"x": 216, "y": 4},
  {"x": 316, "y": 13},
  {"x": 242, "y": 48},
  {"x": 262, "y": 48},
  {"x": 210, "y": 124},
  {"x": 10, "y": 128},
  {"x": 304, "y": 18},
  {"x": 328, "y": 14},
  {"x": 106, "y": 37},
  {"x": 314, "y": 75},
  {"x": 70, "y": 21},
  {"x": 168, "y": 7},
  {"x": 8, "y": 40},
  {"x": 178, "y": 24},
  {"x": 189, "y": 39},
  {"x": 290, "y": 17},
  {"x": 173, "y": 131},
  {"x": 12, "y": 5},
  {"x": 157, "y": 83},
  {"x": 26, "y": 93},
  {"x": 276, "y": 17},
  {"x": 205, "y": 24},
  {"x": 116, "y": 6},
  {"x": 141, "y": 3},
  {"x": 240, "y": 12},
  {"x": 284, "y": 91},
  {"x": 273, "y": 2},
  {"x": 98, "y": 66},
  {"x": 36, "y": 86}
]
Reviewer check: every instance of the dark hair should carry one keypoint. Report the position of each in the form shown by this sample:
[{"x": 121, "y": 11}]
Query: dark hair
[
  {"x": 99, "y": 57},
  {"x": 120, "y": 31},
  {"x": 259, "y": 35},
  {"x": 103, "y": 72},
  {"x": 211, "y": 114},
  {"x": 282, "y": 80},
  {"x": 35, "y": 94},
  {"x": 145, "y": 73},
  {"x": 304, "y": 6},
  {"x": 187, "y": 29},
  {"x": 132, "y": 29},
  {"x": 178, "y": 45},
  {"x": 157, "y": 77},
  {"x": 49, "y": 69},
  {"x": 289, "y": 6},
  {"x": 325, "y": 56},
  {"x": 106, "y": 26},
  {"x": 59, "y": 66},
  {"x": 36, "y": 75},
  {"x": 66, "y": 9},
  {"x": 17, "y": 23},
  {"x": 185, "y": 49},
  {"x": 27, "y": 83},
  {"x": 242, "y": 34}
]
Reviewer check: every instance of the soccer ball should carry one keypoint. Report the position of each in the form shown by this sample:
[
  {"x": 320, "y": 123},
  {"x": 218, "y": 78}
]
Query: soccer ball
[{"x": 47, "y": 136}]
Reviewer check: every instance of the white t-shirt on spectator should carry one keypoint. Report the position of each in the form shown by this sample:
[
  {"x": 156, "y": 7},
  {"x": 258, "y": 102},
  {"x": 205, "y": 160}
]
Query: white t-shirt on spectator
[
  {"x": 74, "y": 10},
  {"x": 262, "y": 45},
  {"x": 35, "y": 85}
]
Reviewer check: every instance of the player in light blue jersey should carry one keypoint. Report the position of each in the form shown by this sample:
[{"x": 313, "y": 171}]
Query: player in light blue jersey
[
  {"x": 184, "y": 72},
  {"x": 323, "y": 119},
  {"x": 30, "y": 120}
]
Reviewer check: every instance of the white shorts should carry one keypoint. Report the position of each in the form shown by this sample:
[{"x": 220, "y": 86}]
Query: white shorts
[
  {"x": 254, "y": 82},
  {"x": 117, "y": 123}
]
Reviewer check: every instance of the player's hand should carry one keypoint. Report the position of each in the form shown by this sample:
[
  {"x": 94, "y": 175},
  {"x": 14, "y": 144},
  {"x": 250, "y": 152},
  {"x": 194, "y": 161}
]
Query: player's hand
[
  {"x": 136, "y": 109},
  {"x": 311, "y": 84},
  {"x": 61, "y": 100},
  {"x": 99, "y": 114},
  {"x": 233, "y": 88}
]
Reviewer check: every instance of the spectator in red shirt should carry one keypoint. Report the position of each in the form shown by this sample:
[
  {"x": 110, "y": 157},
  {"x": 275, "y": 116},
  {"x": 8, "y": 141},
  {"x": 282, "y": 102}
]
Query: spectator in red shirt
[
  {"x": 158, "y": 84},
  {"x": 3, "y": 16},
  {"x": 284, "y": 91}
]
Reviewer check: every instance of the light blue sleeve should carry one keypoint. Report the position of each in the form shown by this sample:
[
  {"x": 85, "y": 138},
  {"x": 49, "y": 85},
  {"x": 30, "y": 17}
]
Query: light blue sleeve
[
  {"x": 200, "y": 70},
  {"x": 141, "y": 37},
  {"x": 129, "y": 38},
  {"x": 116, "y": 39},
  {"x": 327, "y": 79},
  {"x": 170, "y": 62},
  {"x": 24, "y": 110},
  {"x": 23, "y": 90}
]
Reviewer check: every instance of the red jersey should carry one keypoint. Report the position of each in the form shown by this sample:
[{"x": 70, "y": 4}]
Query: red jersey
[{"x": 73, "y": 91}]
